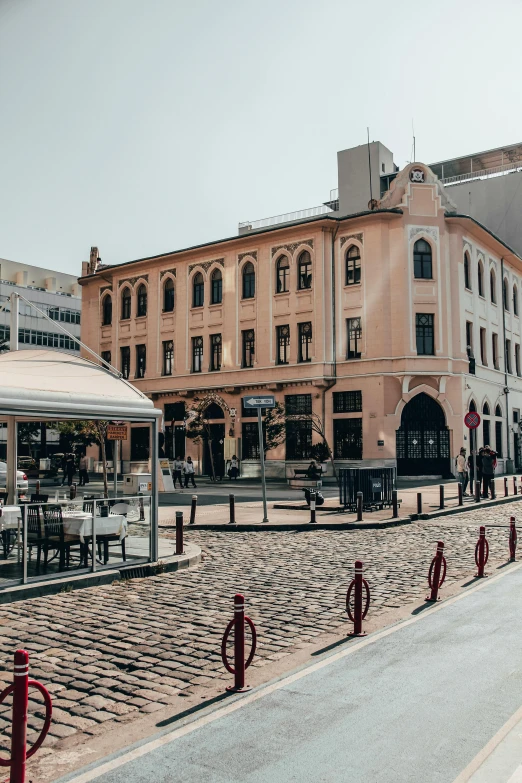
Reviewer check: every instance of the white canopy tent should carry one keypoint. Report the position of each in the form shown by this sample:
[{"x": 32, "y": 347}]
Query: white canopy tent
[{"x": 38, "y": 385}]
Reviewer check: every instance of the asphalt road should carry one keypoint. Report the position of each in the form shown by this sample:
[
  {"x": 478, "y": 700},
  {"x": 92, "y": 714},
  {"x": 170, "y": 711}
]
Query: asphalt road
[{"x": 412, "y": 703}]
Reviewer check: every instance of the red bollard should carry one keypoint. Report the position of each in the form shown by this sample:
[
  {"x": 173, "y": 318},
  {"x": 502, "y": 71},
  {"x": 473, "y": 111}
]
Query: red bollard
[
  {"x": 512, "y": 538},
  {"x": 481, "y": 552},
  {"x": 240, "y": 665},
  {"x": 514, "y": 485},
  {"x": 20, "y": 691},
  {"x": 506, "y": 491},
  {"x": 358, "y": 614},
  {"x": 434, "y": 578}
]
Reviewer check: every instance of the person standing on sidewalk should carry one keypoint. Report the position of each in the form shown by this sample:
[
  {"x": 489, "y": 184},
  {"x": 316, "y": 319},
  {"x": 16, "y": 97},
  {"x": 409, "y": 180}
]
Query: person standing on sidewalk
[
  {"x": 471, "y": 473},
  {"x": 177, "y": 471},
  {"x": 462, "y": 470},
  {"x": 188, "y": 469},
  {"x": 489, "y": 460},
  {"x": 84, "y": 475}
]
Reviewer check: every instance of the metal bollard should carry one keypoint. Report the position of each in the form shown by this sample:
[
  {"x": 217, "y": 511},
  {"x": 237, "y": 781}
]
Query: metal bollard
[
  {"x": 459, "y": 489},
  {"x": 493, "y": 490},
  {"x": 238, "y": 624},
  {"x": 232, "y": 509},
  {"x": 20, "y": 691},
  {"x": 359, "y": 506},
  {"x": 72, "y": 491},
  {"x": 358, "y": 614},
  {"x": 512, "y": 538},
  {"x": 395, "y": 504},
  {"x": 193, "y": 509},
  {"x": 313, "y": 496},
  {"x": 142, "y": 507},
  {"x": 434, "y": 578},
  {"x": 506, "y": 490},
  {"x": 37, "y": 490},
  {"x": 477, "y": 491},
  {"x": 419, "y": 502},
  {"x": 481, "y": 552},
  {"x": 179, "y": 533},
  {"x": 514, "y": 485},
  {"x": 441, "y": 495}
]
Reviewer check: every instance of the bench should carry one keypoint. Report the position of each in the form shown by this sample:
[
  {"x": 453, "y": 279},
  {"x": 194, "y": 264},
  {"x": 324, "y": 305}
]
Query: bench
[{"x": 300, "y": 479}]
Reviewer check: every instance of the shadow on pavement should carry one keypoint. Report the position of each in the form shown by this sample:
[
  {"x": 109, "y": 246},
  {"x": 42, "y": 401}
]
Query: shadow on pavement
[{"x": 195, "y": 708}]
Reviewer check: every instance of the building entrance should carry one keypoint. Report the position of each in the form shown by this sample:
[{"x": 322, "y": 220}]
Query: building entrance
[
  {"x": 216, "y": 442},
  {"x": 422, "y": 440}
]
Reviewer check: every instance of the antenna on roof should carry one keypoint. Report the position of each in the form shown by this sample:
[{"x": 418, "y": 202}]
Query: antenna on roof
[
  {"x": 369, "y": 165},
  {"x": 413, "y": 133}
]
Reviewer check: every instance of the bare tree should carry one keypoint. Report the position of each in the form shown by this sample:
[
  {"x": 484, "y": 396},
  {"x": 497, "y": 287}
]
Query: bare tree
[
  {"x": 198, "y": 426},
  {"x": 319, "y": 428}
]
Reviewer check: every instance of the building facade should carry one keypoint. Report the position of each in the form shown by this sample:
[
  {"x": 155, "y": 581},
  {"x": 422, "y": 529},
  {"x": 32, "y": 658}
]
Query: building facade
[{"x": 389, "y": 324}]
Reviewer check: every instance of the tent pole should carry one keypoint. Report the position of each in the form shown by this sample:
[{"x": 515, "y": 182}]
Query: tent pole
[{"x": 11, "y": 460}]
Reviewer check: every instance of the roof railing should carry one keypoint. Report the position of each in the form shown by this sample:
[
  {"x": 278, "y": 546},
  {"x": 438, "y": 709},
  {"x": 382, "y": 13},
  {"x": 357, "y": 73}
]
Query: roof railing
[
  {"x": 497, "y": 171},
  {"x": 288, "y": 217}
]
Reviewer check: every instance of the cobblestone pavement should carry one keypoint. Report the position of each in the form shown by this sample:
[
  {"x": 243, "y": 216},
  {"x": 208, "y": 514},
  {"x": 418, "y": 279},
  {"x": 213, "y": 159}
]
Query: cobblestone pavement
[{"x": 111, "y": 653}]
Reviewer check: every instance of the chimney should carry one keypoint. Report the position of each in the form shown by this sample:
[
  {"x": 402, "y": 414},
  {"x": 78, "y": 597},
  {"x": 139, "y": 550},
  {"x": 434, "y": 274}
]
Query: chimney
[{"x": 94, "y": 260}]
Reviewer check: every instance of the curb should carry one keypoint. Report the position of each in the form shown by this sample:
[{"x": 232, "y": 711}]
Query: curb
[
  {"x": 69, "y": 582},
  {"x": 248, "y": 527},
  {"x": 446, "y": 512}
]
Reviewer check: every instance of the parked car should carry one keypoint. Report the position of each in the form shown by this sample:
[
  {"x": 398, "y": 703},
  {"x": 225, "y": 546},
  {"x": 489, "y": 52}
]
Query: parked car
[
  {"x": 28, "y": 465},
  {"x": 21, "y": 477}
]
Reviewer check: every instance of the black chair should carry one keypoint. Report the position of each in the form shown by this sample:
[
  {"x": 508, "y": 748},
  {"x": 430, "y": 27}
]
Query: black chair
[
  {"x": 55, "y": 537},
  {"x": 3, "y": 497},
  {"x": 35, "y": 532},
  {"x": 39, "y": 498}
]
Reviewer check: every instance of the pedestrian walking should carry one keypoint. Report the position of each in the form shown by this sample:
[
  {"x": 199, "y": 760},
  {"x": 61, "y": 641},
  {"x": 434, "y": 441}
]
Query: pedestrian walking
[
  {"x": 188, "y": 469},
  {"x": 177, "y": 472},
  {"x": 63, "y": 466},
  {"x": 489, "y": 462},
  {"x": 462, "y": 470},
  {"x": 233, "y": 468},
  {"x": 70, "y": 467},
  {"x": 471, "y": 472},
  {"x": 84, "y": 475}
]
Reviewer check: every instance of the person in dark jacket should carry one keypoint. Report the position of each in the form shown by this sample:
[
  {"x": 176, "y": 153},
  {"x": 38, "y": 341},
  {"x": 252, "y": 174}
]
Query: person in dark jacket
[
  {"x": 489, "y": 461},
  {"x": 70, "y": 466}
]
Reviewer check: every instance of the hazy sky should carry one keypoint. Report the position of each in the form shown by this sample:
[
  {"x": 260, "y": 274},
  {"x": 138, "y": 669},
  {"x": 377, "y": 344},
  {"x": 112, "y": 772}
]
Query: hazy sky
[{"x": 144, "y": 126}]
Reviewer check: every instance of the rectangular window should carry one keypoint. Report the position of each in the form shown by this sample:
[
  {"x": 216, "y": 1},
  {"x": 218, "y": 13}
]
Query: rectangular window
[
  {"x": 168, "y": 357},
  {"x": 348, "y": 438},
  {"x": 174, "y": 411},
  {"x": 141, "y": 361},
  {"x": 517, "y": 360},
  {"x": 469, "y": 339},
  {"x": 197, "y": 354},
  {"x": 140, "y": 445},
  {"x": 216, "y": 347},
  {"x": 424, "y": 329},
  {"x": 353, "y": 266},
  {"x": 250, "y": 440},
  {"x": 508, "y": 356},
  {"x": 298, "y": 404},
  {"x": 298, "y": 439},
  {"x": 248, "y": 337},
  {"x": 498, "y": 437},
  {"x": 305, "y": 341},
  {"x": 125, "y": 361},
  {"x": 347, "y": 402},
  {"x": 354, "y": 329},
  {"x": 283, "y": 344},
  {"x": 106, "y": 356},
  {"x": 483, "y": 348},
  {"x": 494, "y": 345}
]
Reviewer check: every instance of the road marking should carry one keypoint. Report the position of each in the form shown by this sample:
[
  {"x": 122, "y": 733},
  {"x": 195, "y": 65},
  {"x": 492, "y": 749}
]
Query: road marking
[
  {"x": 165, "y": 739},
  {"x": 488, "y": 749}
]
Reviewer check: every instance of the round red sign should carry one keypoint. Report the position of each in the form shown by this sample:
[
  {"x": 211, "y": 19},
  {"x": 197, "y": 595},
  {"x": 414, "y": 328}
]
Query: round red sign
[{"x": 472, "y": 420}]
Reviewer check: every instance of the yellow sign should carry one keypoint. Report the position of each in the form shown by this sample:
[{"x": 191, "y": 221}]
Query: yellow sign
[{"x": 116, "y": 433}]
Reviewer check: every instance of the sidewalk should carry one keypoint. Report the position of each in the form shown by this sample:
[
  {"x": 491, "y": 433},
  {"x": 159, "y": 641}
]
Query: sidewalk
[{"x": 419, "y": 701}]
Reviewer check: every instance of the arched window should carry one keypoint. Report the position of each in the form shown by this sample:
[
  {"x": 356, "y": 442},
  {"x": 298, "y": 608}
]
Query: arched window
[
  {"x": 282, "y": 275},
  {"x": 107, "y": 310},
  {"x": 216, "y": 287},
  {"x": 125, "y": 304},
  {"x": 304, "y": 271},
  {"x": 472, "y": 406},
  {"x": 493, "y": 286},
  {"x": 480, "y": 274},
  {"x": 422, "y": 264},
  {"x": 485, "y": 409},
  {"x": 505, "y": 295},
  {"x": 249, "y": 281},
  {"x": 353, "y": 265},
  {"x": 467, "y": 272},
  {"x": 168, "y": 295},
  {"x": 142, "y": 301},
  {"x": 515, "y": 300},
  {"x": 198, "y": 290},
  {"x": 498, "y": 411}
]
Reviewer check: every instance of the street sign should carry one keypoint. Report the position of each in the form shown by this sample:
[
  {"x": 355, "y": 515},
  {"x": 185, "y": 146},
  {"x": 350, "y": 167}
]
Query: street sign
[
  {"x": 116, "y": 433},
  {"x": 268, "y": 401},
  {"x": 472, "y": 420}
]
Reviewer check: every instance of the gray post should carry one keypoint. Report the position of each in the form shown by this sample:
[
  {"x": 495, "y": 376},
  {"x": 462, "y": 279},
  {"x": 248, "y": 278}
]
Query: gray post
[
  {"x": 15, "y": 319},
  {"x": 262, "y": 460},
  {"x": 115, "y": 450},
  {"x": 154, "y": 500},
  {"x": 11, "y": 460}
]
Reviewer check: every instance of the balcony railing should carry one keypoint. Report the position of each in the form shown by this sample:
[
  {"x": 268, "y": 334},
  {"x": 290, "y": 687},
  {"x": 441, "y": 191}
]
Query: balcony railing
[{"x": 507, "y": 168}]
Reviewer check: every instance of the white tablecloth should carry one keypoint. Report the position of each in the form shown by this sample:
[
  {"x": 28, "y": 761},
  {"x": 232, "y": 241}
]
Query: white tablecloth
[
  {"x": 10, "y": 517},
  {"x": 79, "y": 523}
]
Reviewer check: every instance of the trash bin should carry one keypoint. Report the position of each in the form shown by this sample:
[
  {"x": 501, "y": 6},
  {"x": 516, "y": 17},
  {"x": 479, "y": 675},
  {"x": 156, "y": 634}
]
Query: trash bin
[{"x": 376, "y": 484}]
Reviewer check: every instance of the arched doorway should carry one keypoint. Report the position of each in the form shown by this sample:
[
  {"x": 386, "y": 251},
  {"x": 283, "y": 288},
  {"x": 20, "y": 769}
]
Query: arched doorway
[
  {"x": 422, "y": 440},
  {"x": 214, "y": 440}
]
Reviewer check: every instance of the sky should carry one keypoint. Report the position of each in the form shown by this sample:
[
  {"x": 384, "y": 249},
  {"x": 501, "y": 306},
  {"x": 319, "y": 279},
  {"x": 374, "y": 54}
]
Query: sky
[{"x": 146, "y": 126}]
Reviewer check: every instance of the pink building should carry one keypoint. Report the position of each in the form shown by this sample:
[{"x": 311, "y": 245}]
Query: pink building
[{"x": 389, "y": 323}]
